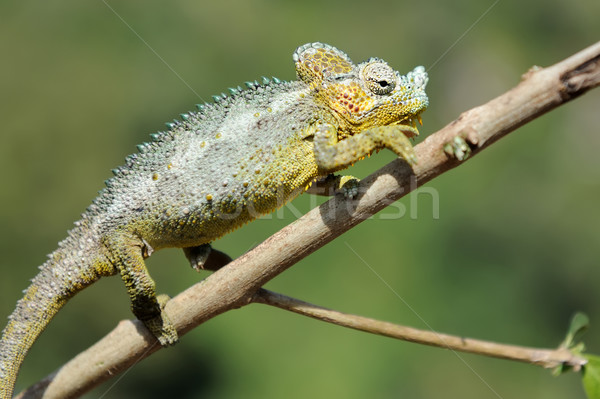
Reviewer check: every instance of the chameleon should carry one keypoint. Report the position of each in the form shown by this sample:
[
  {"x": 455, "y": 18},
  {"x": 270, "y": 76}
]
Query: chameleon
[{"x": 215, "y": 169}]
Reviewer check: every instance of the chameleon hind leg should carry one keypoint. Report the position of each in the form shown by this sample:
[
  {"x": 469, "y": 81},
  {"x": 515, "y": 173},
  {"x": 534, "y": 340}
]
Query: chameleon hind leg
[
  {"x": 205, "y": 257},
  {"x": 127, "y": 255}
]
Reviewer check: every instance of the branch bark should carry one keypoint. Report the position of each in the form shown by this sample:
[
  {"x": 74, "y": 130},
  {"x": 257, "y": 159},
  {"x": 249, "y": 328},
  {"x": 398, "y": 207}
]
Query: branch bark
[
  {"x": 235, "y": 285},
  {"x": 547, "y": 358}
]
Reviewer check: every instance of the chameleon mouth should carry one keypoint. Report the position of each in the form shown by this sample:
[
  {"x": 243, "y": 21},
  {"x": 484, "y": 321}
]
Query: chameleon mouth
[{"x": 411, "y": 125}]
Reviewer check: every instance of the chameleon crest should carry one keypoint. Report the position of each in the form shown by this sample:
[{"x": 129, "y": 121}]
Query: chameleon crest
[{"x": 215, "y": 170}]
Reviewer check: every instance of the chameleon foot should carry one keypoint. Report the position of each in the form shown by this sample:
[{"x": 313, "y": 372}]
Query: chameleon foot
[
  {"x": 161, "y": 326},
  {"x": 204, "y": 257},
  {"x": 334, "y": 184},
  {"x": 349, "y": 186}
]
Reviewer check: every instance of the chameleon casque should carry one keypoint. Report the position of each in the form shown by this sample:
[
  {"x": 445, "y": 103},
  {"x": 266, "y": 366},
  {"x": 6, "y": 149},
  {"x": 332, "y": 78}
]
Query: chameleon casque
[{"x": 215, "y": 170}]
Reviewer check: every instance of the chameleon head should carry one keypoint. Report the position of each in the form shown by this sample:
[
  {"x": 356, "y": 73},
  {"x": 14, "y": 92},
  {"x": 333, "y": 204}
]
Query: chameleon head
[{"x": 364, "y": 95}]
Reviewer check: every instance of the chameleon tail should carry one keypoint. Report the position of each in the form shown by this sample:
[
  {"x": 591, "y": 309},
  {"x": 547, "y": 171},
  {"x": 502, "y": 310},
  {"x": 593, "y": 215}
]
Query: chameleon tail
[{"x": 69, "y": 269}]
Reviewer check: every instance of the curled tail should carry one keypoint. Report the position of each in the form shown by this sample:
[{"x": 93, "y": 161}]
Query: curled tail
[{"x": 72, "y": 267}]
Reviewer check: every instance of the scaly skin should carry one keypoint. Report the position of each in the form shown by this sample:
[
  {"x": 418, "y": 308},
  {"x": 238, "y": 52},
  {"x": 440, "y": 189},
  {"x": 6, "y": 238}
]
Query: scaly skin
[{"x": 216, "y": 170}]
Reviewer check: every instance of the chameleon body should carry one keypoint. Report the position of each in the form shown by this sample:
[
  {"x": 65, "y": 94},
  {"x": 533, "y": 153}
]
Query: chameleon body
[{"x": 215, "y": 170}]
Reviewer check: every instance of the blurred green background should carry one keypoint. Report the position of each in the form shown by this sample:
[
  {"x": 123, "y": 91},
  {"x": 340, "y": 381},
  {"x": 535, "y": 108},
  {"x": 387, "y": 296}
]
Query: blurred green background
[{"x": 511, "y": 256}]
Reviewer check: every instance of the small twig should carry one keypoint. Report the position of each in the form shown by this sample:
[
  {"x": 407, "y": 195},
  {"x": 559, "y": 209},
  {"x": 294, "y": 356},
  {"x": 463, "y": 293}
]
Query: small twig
[
  {"x": 547, "y": 358},
  {"x": 234, "y": 285}
]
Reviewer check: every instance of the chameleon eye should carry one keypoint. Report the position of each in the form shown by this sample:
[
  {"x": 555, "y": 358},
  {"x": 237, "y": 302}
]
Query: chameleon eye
[{"x": 379, "y": 77}]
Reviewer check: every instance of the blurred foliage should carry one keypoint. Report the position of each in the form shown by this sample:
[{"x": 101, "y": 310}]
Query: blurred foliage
[
  {"x": 591, "y": 377},
  {"x": 511, "y": 255}
]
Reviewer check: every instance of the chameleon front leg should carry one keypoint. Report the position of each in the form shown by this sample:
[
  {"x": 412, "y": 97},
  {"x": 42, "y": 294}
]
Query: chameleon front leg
[
  {"x": 126, "y": 254},
  {"x": 205, "y": 257},
  {"x": 332, "y": 154}
]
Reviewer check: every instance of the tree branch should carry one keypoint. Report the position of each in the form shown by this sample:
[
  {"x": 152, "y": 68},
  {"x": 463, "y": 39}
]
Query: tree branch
[
  {"x": 233, "y": 286},
  {"x": 547, "y": 358}
]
